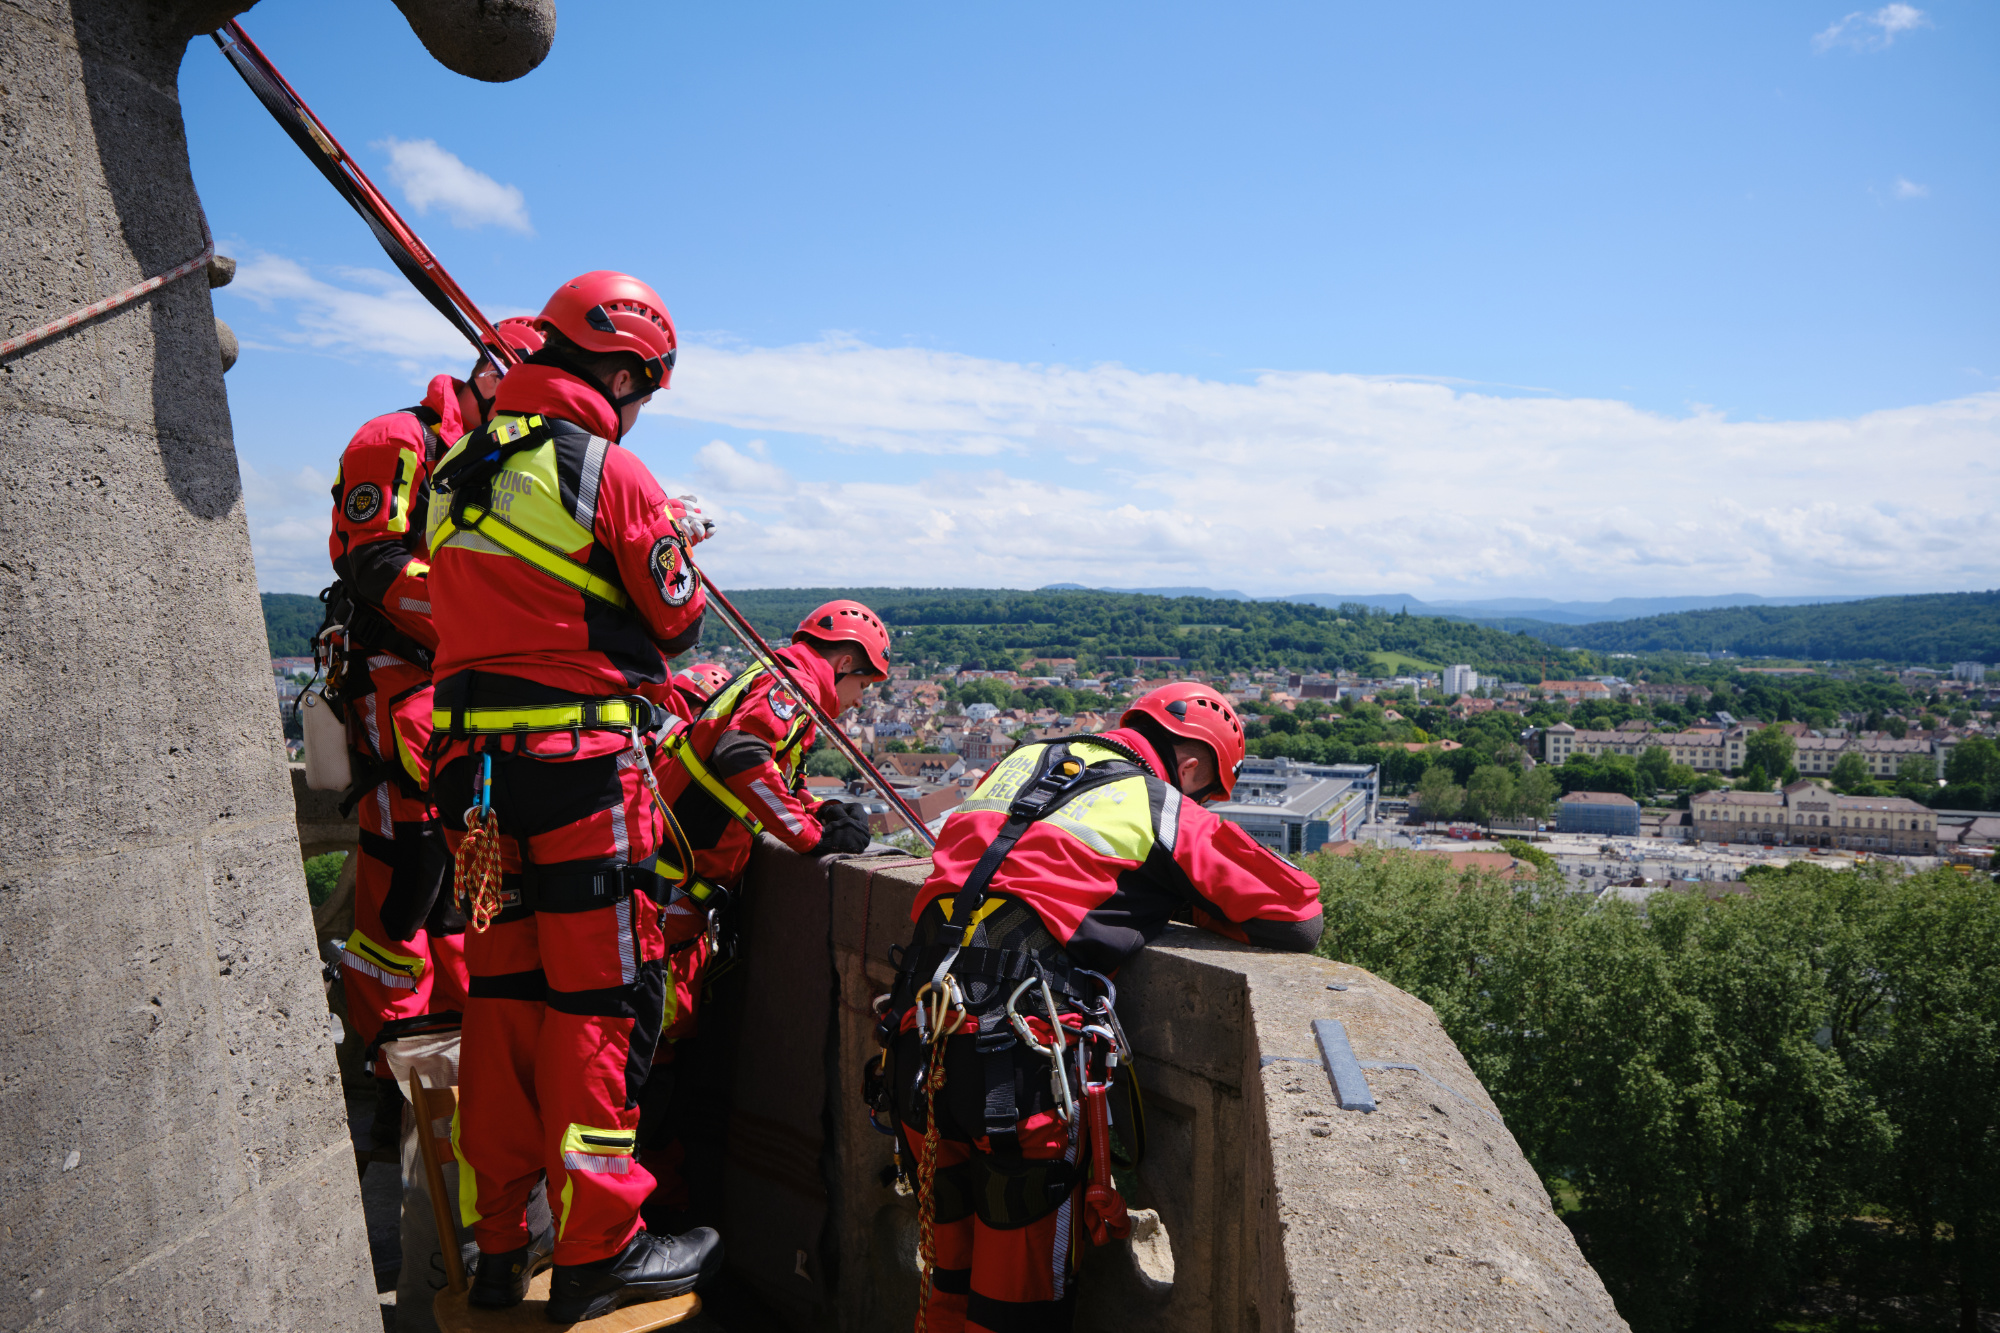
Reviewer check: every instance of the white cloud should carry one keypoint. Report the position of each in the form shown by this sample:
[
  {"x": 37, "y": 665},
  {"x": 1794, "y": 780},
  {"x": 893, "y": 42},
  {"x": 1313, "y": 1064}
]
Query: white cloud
[
  {"x": 375, "y": 314},
  {"x": 1311, "y": 482},
  {"x": 430, "y": 176},
  {"x": 289, "y": 516},
  {"x": 1871, "y": 31},
  {"x": 901, "y": 466},
  {"x": 720, "y": 469},
  {"x": 1908, "y": 189}
]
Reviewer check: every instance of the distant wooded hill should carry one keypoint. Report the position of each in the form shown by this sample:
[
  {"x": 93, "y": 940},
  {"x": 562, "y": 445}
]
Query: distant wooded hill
[
  {"x": 1932, "y": 628},
  {"x": 973, "y": 626},
  {"x": 291, "y": 619},
  {"x": 995, "y": 628}
]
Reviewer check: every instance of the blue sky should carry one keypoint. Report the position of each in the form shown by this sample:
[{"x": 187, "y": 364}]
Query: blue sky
[{"x": 1455, "y": 300}]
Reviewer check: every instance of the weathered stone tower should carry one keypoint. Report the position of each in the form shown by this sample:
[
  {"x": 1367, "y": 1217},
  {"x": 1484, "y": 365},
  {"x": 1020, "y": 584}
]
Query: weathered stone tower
[{"x": 176, "y": 1148}]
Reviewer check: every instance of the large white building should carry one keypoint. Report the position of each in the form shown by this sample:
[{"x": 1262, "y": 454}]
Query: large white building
[
  {"x": 1460, "y": 680},
  {"x": 1807, "y": 813},
  {"x": 1721, "y": 751}
]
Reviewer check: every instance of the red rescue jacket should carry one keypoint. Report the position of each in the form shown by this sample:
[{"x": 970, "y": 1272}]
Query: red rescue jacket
[
  {"x": 753, "y": 738},
  {"x": 1107, "y": 869},
  {"x": 499, "y": 615},
  {"x": 381, "y": 496}
]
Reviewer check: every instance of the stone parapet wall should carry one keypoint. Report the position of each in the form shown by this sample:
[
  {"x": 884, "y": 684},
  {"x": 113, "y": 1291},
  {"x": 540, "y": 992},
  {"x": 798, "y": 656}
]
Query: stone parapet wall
[{"x": 1280, "y": 1211}]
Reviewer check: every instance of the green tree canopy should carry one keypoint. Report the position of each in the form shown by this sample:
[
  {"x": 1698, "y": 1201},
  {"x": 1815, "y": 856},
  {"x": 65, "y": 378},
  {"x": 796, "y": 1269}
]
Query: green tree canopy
[
  {"x": 1437, "y": 795},
  {"x": 1850, "y": 774},
  {"x": 1771, "y": 749}
]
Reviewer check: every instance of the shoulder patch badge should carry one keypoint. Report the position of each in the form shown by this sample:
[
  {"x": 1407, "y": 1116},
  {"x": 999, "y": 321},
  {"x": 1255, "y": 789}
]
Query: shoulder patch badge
[
  {"x": 363, "y": 502},
  {"x": 672, "y": 573},
  {"x": 783, "y": 703}
]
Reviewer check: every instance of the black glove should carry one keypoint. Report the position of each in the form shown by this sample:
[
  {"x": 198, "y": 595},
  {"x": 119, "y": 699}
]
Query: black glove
[{"x": 844, "y": 828}]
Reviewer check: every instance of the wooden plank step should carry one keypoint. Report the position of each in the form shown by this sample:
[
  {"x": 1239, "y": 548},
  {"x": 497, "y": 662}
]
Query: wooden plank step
[{"x": 455, "y": 1316}]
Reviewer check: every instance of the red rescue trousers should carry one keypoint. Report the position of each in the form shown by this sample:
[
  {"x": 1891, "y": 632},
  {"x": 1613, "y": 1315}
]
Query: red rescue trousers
[
  {"x": 987, "y": 1280},
  {"x": 387, "y": 979},
  {"x": 567, "y": 993}
]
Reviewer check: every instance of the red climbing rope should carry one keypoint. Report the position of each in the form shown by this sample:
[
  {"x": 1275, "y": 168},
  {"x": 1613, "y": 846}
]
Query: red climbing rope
[{"x": 126, "y": 297}]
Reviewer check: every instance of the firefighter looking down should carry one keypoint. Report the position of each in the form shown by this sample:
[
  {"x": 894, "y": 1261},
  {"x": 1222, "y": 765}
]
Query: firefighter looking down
[
  {"x": 1066, "y": 861},
  {"x": 737, "y": 771},
  {"x": 561, "y": 587},
  {"x": 406, "y": 957}
]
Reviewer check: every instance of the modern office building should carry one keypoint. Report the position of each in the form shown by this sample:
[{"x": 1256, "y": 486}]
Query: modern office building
[
  {"x": 1295, "y": 808},
  {"x": 1460, "y": 680}
]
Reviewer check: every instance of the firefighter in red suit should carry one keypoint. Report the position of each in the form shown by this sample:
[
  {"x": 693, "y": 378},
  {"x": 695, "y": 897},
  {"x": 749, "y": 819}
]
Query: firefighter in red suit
[
  {"x": 560, "y": 588},
  {"x": 406, "y": 957},
  {"x": 698, "y": 684},
  {"x": 737, "y": 771},
  {"x": 1066, "y": 860}
]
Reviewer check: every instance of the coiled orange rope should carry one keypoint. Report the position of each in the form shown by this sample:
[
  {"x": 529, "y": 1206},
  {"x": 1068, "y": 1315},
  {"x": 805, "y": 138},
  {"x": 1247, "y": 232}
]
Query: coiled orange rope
[
  {"x": 942, "y": 1024},
  {"x": 475, "y": 885}
]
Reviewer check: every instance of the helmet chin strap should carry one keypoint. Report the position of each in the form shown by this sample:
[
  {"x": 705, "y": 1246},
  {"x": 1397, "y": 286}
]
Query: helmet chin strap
[
  {"x": 615, "y": 402},
  {"x": 485, "y": 401}
]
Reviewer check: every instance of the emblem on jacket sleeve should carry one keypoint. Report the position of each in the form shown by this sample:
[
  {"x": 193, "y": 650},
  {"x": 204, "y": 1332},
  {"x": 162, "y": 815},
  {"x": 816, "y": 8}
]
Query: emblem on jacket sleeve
[
  {"x": 783, "y": 703},
  {"x": 672, "y": 573},
  {"x": 364, "y": 501}
]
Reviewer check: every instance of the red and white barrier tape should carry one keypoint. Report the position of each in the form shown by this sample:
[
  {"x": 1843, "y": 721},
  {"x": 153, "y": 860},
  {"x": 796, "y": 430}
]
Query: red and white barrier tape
[{"x": 96, "y": 308}]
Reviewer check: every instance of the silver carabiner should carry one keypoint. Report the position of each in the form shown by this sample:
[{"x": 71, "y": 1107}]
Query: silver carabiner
[
  {"x": 1109, "y": 1011},
  {"x": 1058, "y": 1079}
]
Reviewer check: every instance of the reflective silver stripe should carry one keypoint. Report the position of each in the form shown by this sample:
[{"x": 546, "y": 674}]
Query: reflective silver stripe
[
  {"x": 382, "y": 662},
  {"x": 1170, "y": 820},
  {"x": 374, "y": 731},
  {"x": 610, "y": 1166},
  {"x": 412, "y": 604},
  {"x": 470, "y": 540},
  {"x": 628, "y": 967},
  {"x": 777, "y": 807},
  {"x": 393, "y": 980},
  {"x": 618, "y": 834},
  {"x": 586, "y": 485}
]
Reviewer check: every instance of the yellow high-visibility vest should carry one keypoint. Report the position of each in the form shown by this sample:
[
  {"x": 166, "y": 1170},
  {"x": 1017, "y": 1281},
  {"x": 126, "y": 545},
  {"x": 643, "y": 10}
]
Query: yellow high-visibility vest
[{"x": 525, "y": 517}]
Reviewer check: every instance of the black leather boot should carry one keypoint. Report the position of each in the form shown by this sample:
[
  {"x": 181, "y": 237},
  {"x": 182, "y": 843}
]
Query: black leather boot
[
  {"x": 501, "y": 1280},
  {"x": 651, "y": 1268}
]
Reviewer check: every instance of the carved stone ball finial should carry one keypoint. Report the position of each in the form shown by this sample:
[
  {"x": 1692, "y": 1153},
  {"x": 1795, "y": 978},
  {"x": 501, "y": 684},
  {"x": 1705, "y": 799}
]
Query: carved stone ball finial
[{"x": 490, "y": 40}]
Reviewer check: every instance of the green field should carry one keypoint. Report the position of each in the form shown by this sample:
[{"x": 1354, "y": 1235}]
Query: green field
[{"x": 1395, "y": 664}]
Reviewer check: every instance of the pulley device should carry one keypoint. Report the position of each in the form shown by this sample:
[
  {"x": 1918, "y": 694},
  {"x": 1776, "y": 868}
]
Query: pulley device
[{"x": 428, "y": 276}]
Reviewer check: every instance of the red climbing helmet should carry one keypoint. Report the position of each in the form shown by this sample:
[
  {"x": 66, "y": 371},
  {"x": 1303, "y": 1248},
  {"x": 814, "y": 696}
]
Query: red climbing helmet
[
  {"x": 848, "y": 622},
  {"x": 519, "y": 332},
  {"x": 703, "y": 680},
  {"x": 1195, "y": 712},
  {"x": 605, "y": 312}
]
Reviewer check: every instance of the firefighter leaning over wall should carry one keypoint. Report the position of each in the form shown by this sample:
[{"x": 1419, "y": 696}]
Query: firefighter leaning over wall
[
  {"x": 405, "y": 961},
  {"x": 1065, "y": 862},
  {"x": 560, "y": 587},
  {"x": 737, "y": 771}
]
